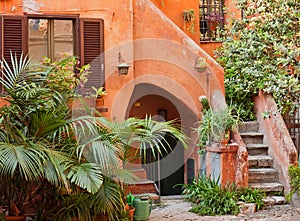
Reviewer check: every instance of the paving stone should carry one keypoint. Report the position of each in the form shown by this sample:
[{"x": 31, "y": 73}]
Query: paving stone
[{"x": 177, "y": 210}]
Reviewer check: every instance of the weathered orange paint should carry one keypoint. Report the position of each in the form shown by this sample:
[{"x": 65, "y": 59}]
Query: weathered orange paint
[
  {"x": 242, "y": 164},
  {"x": 174, "y": 9},
  {"x": 149, "y": 36},
  {"x": 228, "y": 163},
  {"x": 277, "y": 137}
]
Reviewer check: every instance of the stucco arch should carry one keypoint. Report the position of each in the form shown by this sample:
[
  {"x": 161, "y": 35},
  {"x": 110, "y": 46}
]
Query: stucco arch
[{"x": 168, "y": 87}]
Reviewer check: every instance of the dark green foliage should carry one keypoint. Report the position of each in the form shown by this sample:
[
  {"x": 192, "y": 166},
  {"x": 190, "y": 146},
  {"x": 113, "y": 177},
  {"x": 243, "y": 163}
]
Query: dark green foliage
[{"x": 211, "y": 199}]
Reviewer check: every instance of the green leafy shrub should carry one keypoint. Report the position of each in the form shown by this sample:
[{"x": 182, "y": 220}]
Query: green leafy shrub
[
  {"x": 260, "y": 51},
  {"x": 249, "y": 195},
  {"x": 294, "y": 174},
  {"x": 211, "y": 199}
]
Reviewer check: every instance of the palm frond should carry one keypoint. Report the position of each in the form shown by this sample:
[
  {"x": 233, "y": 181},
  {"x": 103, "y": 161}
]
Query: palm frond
[
  {"x": 108, "y": 199},
  {"x": 12, "y": 73},
  {"x": 22, "y": 159},
  {"x": 87, "y": 176},
  {"x": 103, "y": 153}
]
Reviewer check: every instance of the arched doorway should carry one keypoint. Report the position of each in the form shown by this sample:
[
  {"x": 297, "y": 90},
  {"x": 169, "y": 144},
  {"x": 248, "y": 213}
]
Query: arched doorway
[{"x": 167, "y": 169}]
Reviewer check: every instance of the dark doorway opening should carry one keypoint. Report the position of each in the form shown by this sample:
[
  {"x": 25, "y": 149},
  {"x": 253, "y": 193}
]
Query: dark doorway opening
[{"x": 167, "y": 167}]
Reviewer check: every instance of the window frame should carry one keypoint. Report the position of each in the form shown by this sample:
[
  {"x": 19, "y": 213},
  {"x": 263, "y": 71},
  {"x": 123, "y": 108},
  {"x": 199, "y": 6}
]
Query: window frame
[
  {"x": 74, "y": 18},
  {"x": 206, "y": 7},
  {"x": 14, "y": 28}
]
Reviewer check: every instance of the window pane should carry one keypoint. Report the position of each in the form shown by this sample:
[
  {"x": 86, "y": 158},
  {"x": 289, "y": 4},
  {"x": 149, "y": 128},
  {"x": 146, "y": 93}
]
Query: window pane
[
  {"x": 50, "y": 37},
  {"x": 63, "y": 38},
  {"x": 38, "y": 38}
]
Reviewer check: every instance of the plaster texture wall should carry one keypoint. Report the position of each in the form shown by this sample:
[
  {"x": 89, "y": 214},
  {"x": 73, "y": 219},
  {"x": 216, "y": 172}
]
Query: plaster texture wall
[
  {"x": 276, "y": 135},
  {"x": 149, "y": 37}
]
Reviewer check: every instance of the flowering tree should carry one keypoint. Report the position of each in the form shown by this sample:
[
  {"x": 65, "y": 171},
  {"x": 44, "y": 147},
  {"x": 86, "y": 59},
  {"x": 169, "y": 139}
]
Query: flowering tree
[{"x": 261, "y": 51}]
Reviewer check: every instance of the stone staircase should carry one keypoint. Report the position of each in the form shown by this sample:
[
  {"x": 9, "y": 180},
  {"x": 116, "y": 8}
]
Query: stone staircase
[
  {"x": 262, "y": 175},
  {"x": 142, "y": 186}
]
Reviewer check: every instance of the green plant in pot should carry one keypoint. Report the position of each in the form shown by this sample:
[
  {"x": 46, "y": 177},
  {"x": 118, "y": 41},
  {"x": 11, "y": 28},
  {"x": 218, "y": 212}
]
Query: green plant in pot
[
  {"x": 189, "y": 20},
  {"x": 215, "y": 126},
  {"x": 201, "y": 64}
]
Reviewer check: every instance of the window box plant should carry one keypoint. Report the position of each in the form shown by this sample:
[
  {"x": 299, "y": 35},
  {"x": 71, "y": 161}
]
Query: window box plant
[
  {"x": 214, "y": 20},
  {"x": 189, "y": 20}
]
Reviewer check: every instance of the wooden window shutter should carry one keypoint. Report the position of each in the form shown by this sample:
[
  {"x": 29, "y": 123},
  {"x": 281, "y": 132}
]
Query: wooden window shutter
[
  {"x": 92, "y": 48},
  {"x": 13, "y": 37}
]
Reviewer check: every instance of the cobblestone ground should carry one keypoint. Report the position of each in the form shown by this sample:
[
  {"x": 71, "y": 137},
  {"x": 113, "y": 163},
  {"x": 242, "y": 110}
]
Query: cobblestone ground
[{"x": 177, "y": 209}]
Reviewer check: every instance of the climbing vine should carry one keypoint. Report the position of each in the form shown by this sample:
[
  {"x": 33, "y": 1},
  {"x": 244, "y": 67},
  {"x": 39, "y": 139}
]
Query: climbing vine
[{"x": 261, "y": 52}]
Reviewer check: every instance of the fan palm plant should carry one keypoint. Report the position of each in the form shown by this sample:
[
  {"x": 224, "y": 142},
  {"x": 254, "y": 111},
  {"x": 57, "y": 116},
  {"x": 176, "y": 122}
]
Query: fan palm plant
[
  {"x": 37, "y": 134},
  {"x": 114, "y": 142},
  {"x": 41, "y": 143}
]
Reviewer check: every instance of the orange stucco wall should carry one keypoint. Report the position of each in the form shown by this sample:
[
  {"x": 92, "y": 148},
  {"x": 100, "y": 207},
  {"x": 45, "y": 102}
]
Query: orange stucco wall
[
  {"x": 128, "y": 21},
  {"x": 150, "y": 37}
]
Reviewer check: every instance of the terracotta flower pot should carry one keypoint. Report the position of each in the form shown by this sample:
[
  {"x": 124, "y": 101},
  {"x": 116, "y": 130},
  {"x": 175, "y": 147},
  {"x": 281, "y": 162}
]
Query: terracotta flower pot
[
  {"x": 131, "y": 212},
  {"x": 99, "y": 102},
  {"x": 15, "y": 218},
  {"x": 213, "y": 25}
]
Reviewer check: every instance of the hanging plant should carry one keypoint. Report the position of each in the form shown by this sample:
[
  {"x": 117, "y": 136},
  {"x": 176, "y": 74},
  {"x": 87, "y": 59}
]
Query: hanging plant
[{"x": 189, "y": 20}]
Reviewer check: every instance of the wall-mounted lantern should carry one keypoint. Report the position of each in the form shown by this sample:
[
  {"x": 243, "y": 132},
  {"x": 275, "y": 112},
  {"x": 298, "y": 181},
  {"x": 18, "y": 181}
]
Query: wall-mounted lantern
[
  {"x": 200, "y": 65},
  {"x": 122, "y": 67}
]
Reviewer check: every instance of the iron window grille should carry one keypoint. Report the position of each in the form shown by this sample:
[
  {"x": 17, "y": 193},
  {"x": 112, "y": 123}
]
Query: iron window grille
[{"x": 211, "y": 21}]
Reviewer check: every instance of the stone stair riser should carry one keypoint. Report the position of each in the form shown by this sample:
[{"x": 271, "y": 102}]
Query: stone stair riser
[
  {"x": 267, "y": 189},
  {"x": 141, "y": 189},
  {"x": 258, "y": 139},
  {"x": 258, "y": 151},
  {"x": 249, "y": 127},
  {"x": 260, "y": 163},
  {"x": 142, "y": 174},
  {"x": 262, "y": 175}
]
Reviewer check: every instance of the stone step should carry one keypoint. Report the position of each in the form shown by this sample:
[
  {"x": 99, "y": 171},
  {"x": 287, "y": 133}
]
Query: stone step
[
  {"x": 248, "y": 126},
  {"x": 141, "y": 186},
  {"x": 260, "y": 161},
  {"x": 267, "y": 187},
  {"x": 259, "y": 175},
  {"x": 139, "y": 172},
  {"x": 252, "y": 137},
  {"x": 257, "y": 149},
  {"x": 274, "y": 200}
]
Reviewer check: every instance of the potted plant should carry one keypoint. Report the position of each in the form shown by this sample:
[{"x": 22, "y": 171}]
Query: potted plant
[
  {"x": 200, "y": 65},
  {"x": 37, "y": 142},
  {"x": 189, "y": 20},
  {"x": 215, "y": 126},
  {"x": 214, "y": 20},
  {"x": 99, "y": 93}
]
